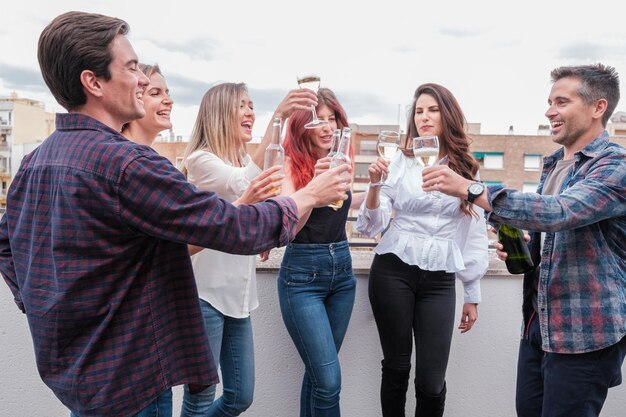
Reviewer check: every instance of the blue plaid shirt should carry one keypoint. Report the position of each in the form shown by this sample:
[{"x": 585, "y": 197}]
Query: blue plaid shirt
[
  {"x": 582, "y": 273},
  {"x": 93, "y": 247}
]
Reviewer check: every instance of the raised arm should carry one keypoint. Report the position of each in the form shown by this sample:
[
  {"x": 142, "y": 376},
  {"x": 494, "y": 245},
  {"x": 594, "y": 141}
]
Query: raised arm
[{"x": 300, "y": 99}]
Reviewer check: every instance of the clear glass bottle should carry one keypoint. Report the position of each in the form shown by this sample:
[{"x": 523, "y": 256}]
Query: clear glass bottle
[
  {"x": 275, "y": 153},
  {"x": 342, "y": 156},
  {"x": 335, "y": 143}
]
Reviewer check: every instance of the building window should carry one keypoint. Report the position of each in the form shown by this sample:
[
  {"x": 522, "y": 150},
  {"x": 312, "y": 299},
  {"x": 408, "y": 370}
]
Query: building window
[
  {"x": 490, "y": 160},
  {"x": 532, "y": 162},
  {"x": 368, "y": 147},
  {"x": 530, "y": 187},
  {"x": 360, "y": 170}
]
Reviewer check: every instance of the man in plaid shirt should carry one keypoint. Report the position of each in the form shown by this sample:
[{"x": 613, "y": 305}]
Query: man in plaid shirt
[
  {"x": 573, "y": 343},
  {"x": 93, "y": 244}
]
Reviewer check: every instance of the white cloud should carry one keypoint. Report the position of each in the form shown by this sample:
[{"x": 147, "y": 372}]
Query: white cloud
[{"x": 494, "y": 56}]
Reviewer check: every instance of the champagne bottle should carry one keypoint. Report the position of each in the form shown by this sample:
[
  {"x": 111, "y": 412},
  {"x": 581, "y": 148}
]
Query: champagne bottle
[
  {"x": 275, "y": 153},
  {"x": 342, "y": 156},
  {"x": 518, "y": 259}
]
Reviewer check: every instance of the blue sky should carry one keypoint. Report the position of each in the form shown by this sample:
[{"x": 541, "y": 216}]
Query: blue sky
[{"x": 494, "y": 56}]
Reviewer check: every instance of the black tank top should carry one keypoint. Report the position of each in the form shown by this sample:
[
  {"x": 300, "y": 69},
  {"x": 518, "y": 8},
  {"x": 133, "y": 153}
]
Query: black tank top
[{"x": 325, "y": 225}]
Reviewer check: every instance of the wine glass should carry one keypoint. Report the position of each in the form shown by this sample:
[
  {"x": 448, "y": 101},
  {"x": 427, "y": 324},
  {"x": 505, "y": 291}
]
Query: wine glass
[
  {"x": 312, "y": 82},
  {"x": 426, "y": 151},
  {"x": 388, "y": 143}
]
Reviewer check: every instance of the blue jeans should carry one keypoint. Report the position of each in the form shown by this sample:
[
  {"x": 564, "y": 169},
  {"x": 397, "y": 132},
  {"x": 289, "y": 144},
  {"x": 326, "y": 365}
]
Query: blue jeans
[
  {"x": 316, "y": 289},
  {"x": 233, "y": 348},
  {"x": 161, "y": 407},
  {"x": 564, "y": 385}
]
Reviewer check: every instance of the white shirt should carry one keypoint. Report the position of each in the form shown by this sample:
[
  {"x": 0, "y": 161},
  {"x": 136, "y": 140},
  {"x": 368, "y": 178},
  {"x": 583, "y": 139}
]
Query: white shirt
[
  {"x": 227, "y": 282},
  {"x": 433, "y": 234}
]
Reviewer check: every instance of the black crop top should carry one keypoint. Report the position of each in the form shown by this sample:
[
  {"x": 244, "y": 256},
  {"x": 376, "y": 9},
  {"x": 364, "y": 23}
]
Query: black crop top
[{"x": 325, "y": 225}]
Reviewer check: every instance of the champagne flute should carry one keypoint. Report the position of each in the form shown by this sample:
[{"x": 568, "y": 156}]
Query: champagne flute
[
  {"x": 388, "y": 143},
  {"x": 312, "y": 82},
  {"x": 426, "y": 151}
]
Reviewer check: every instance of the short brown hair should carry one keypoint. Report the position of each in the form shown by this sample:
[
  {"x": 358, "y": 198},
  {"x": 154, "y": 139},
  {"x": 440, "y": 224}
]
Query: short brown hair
[
  {"x": 598, "y": 81},
  {"x": 74, "y": 42}
]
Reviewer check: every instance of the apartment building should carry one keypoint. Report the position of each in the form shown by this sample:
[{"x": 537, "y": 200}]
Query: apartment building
[
  {"x": 24, "y": 124},
  {"x": 510, "y": 159}
]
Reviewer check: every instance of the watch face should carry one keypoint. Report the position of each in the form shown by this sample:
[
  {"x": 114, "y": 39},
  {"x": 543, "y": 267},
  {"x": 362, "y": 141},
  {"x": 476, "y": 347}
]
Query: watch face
[{"x": 476, "y": 188}]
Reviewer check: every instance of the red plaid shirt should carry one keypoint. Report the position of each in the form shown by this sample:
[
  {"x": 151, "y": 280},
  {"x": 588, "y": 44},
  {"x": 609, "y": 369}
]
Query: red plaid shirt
[{"x": 93, "y": 247}]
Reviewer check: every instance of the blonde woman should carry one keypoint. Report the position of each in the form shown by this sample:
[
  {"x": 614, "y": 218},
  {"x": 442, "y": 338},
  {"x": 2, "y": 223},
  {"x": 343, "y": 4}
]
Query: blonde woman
[
  {"x": 216, "y": 160},
  {"x": 157, "y": 104}
]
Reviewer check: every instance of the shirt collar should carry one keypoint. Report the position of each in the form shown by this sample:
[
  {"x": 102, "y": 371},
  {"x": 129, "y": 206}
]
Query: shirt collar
[
  {"x": 591, "y": 150},
  {"x": 80, "y": 121}
]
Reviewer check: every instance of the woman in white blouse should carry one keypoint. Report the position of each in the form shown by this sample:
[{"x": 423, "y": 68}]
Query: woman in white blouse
[
  {"x": 428, "y": 241},
  {"x": 216, "y": 160}
]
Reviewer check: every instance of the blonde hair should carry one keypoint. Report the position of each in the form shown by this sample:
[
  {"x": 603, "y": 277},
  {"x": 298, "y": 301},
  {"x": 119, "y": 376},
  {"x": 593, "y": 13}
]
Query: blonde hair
[
  {"x": 215, "y": 126},
  {"x": 148, "y": 70}
]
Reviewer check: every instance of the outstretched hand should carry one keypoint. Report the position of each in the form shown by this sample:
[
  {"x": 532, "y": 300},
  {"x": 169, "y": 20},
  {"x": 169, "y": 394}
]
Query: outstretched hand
[
  {"x": 331, "y": 185},
  {"x": 500, "y": 253},
  {"x": 441, "y": 178},
  {"x": 266, "y": 185}
]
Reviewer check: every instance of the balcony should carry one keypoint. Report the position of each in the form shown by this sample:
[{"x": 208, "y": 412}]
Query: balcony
[{"x": 480, "y": 377}]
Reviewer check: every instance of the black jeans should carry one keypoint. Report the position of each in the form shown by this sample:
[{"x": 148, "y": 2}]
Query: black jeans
[
  {"x": 409, "y": 303},
  {"x": 564, "y": 385}
]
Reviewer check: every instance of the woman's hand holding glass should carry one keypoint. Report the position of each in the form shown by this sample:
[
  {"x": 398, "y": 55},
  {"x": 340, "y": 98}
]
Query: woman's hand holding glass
[
  {"x": 298, "y": 99},
  {"x": 388, "y": 143},
  {"x": 378, "y": 170}
]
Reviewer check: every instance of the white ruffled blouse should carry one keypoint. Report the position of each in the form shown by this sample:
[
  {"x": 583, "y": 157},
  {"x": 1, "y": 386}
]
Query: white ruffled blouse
[
  {"x": 224, "y": 280},
  {"x": 433, "y": 234}
]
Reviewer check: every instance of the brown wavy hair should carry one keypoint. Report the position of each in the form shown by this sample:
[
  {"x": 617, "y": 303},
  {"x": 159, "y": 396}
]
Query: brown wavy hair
[{"x": 453, "y": 141}]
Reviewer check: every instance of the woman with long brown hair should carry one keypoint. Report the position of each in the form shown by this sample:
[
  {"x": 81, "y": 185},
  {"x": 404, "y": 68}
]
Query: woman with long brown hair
[{"x": 429, "y": 241}]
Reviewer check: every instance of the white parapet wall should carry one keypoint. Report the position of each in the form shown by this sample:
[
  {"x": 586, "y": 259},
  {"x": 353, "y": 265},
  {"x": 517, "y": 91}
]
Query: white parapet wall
[{"x": 481, "y": 372}]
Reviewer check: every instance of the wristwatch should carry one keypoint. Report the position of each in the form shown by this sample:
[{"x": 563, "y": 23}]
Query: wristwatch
[{"x": 474, "y": 190}]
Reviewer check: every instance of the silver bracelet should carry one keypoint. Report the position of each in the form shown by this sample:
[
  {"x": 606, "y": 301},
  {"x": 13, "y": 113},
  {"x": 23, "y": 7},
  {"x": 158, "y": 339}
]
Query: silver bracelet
[{"x": 373, "y": 185}]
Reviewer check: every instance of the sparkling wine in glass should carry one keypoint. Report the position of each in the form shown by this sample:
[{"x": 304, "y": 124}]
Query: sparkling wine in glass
[
  {"x": 426, "y": 151},
  {"x": 388, "y": 143},
  {"x": 312, "y": 82}
]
